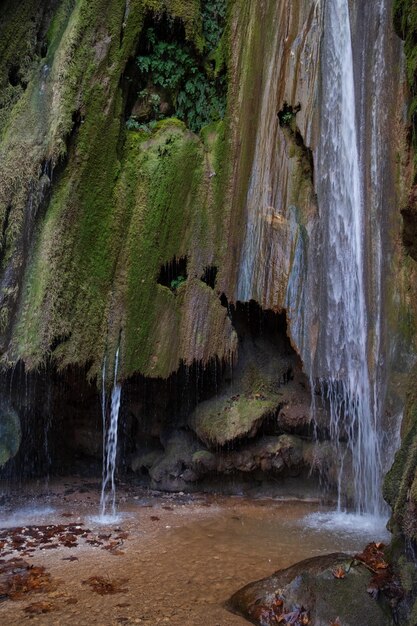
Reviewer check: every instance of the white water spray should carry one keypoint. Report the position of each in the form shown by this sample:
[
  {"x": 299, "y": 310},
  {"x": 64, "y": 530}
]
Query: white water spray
[
  {"x": 110, "y": 434},
  {"x": 341, "y": 360}
]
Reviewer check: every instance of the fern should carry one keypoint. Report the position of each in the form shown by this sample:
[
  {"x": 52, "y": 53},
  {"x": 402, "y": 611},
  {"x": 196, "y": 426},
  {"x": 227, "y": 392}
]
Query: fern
[{"x": 197, "y": 94}]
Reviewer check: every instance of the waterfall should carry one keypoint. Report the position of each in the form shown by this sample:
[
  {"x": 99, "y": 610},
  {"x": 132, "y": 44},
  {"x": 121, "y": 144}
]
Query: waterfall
[
  {"x": 342, "y": 361},
  {"x": 110, "y": 433}
]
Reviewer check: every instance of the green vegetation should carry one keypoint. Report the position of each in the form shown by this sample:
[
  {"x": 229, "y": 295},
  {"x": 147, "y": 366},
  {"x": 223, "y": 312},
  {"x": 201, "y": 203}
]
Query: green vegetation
[
  {"x": 214, "y": 18},
  {"x": 192, "y": 83},
  {"x": 177, "y": 282}
]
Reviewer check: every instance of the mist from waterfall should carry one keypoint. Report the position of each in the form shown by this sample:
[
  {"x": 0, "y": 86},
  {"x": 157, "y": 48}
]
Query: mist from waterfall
[{"x": 341, "y": 365}]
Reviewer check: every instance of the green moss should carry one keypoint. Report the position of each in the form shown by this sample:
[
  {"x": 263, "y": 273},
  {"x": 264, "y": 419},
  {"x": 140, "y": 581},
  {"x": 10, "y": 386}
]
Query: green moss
[
  {"x": 223, "y": 420},
  {"x": 121, "y": 205},
  {"x": 405, "y": 21},
  {"x": 169, "y": 173}
]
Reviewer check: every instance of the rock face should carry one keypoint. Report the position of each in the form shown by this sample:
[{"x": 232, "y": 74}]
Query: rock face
[
  {"x": 89, "y": 229},
  {"x": 311, "y": 590},
  {"x": 400, "y": 488},
  {"x": 10, "y": 433}
]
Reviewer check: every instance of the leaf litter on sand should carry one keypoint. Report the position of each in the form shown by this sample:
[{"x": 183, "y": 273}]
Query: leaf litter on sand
[
  {"x": 106, "y": 586},
  {"x": 37, "y": 608},
  {"x": 18, "y": 578},
  {"x": 27, "y": 539}
]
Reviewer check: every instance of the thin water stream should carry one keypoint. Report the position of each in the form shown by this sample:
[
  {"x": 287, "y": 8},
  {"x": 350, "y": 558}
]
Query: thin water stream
[{"x": 110, "y": 437}]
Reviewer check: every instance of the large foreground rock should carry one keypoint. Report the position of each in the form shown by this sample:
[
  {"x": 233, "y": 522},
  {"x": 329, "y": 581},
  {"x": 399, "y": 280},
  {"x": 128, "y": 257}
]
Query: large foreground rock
[{"x": 322, "y": 591}]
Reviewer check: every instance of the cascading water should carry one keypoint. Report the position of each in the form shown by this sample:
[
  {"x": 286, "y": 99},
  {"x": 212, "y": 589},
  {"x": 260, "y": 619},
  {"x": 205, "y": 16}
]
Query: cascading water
[
  {"x": 341, "y": 362},
  {"x": 110, "y": 435}
]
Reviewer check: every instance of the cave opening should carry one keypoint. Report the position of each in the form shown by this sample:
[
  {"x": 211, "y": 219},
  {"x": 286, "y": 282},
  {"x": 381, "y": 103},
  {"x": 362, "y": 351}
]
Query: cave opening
[
  {"x": 171, "y": 75},
  {"x": 166, "y": 439},
  {"x": 174, "y": 273}
]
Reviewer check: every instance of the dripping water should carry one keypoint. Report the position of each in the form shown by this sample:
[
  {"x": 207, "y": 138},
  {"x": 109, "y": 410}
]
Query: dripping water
[
  {"x": 342, "y": 363},
  {"x": 110, "y": 435}
]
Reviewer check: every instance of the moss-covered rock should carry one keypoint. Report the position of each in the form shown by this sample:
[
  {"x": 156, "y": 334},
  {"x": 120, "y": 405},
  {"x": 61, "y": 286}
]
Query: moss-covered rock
[
  {"x": 311, "y": 590},
  {"x": 227, "y": 418}
]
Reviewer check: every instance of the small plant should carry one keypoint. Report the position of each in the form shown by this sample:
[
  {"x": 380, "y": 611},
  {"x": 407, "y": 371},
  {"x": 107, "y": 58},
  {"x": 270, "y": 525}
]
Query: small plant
[
  {"x": 177, "y": 282},
  {"x": 288, "y": 113},
  {"x": 287, "y": 118},
  {"x": 133, "y": 124},
  {"x": 153, "y": 100}
]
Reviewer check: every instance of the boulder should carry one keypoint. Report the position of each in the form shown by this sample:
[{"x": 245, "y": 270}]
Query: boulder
[
  {"x": 227, "y": 418},
  {"x": 174, "y": 469},
  {"x": 321, "y": 591}
]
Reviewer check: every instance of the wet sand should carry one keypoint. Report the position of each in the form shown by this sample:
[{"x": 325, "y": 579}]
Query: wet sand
[{"x": 180, "y": 558}]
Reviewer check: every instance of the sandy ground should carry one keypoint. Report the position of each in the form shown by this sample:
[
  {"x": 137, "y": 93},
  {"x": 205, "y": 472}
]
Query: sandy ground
[{"x": 179, "y": 559}]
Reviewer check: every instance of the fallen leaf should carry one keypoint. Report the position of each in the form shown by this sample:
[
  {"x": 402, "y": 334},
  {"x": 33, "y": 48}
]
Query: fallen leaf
[
  {"x": 37, "y": 608},
  {"x": 339, "y": 572},
  {"x": 105, "y": 586}
]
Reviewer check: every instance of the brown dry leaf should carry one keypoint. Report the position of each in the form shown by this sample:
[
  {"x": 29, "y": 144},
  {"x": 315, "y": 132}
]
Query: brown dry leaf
[
  {"x": 105, "y": 586},
  {"x": 373, "y": 557},
  {"x": 123, "y": 535},
  {"x": 37, "y": 608},
  {"x": 336, "y": 622},
  {"x": 155, "y": 518},
  {"x": 339, "y": 572}
]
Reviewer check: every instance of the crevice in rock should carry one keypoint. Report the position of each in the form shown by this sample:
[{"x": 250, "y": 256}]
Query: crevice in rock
[
  {"x": 287, "y": 114},
  {"x": 409, "y": 233},
  {"x": 210, "y": 275},
  {"x": 174, "y": 273},
  {"x": 145, "y": 101},
  {"x": 287, "y": 120},
  {"x": 15, "y": 77}
]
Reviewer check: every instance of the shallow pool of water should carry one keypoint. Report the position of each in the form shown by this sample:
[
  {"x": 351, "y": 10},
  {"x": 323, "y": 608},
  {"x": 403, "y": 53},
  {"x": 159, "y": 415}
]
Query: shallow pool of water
[{"x": 181, "y": 556}]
